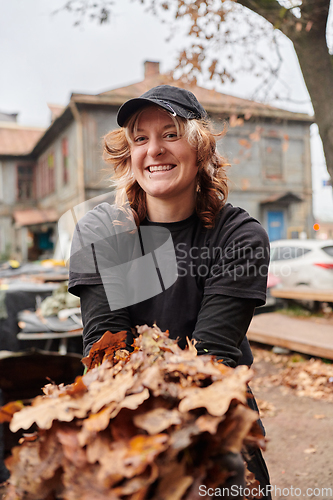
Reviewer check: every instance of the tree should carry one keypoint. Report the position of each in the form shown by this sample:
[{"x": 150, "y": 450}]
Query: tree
[{"x": 213, "y": 24}]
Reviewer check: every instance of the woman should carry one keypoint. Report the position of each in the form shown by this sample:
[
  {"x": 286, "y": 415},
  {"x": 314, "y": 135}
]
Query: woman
[{"x": 171, "y": 186}]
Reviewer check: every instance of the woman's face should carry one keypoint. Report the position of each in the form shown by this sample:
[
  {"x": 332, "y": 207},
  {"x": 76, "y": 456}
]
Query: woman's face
[{"x": 163, "y": 164}]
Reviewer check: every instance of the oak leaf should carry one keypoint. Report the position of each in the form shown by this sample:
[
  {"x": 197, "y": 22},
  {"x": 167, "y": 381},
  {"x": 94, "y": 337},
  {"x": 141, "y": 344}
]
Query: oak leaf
[
  {"x": 106, "y": 346},
  {"x": 7, "y": 411},
  {"x": 157, "y": 420},
  {"x": 217, "y": 397}
]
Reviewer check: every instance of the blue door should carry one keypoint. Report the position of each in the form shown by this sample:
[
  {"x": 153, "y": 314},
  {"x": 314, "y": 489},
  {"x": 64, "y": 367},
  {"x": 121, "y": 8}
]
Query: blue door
[{"x": 275, "y": 225}]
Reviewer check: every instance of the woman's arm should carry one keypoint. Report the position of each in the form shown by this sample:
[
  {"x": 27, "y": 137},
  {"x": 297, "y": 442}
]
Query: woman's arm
[
  {"x": 98, "y": 318},
  {"x": 221, "y": 328}
]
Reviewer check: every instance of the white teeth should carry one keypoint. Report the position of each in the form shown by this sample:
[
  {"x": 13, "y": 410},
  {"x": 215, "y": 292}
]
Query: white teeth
[{"x": 157, "y": 168}]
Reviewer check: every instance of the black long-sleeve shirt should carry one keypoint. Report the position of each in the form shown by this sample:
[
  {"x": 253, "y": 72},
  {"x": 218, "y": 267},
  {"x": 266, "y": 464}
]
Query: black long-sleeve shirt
[{"x": 195, "y": 282}]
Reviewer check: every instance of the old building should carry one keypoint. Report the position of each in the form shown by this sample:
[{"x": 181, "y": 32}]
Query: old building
[
  {"x": 17, "y": 181},
  {"x": 46, "y": 173}
]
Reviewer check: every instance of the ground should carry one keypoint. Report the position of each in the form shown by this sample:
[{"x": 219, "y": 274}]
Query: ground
[{"x": 299, "y": 431}]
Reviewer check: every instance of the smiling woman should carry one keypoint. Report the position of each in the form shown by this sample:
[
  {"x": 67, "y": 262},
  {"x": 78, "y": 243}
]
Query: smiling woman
[{"x": 171, "y": 251}]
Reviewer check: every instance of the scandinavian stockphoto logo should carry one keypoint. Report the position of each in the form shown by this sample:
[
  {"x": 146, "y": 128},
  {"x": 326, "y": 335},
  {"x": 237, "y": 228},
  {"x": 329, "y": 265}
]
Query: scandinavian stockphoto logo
[
  {"x": 134, "y": 264},
  {"x": 233, "y": 262}
]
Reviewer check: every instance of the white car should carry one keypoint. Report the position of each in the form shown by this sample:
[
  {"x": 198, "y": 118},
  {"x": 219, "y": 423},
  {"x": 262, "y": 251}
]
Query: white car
[{"x": 303, "y": 262}]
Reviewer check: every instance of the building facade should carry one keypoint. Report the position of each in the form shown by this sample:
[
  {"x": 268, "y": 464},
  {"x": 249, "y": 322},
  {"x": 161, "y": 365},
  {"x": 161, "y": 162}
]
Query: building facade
[{"x": 45, "y": 173}]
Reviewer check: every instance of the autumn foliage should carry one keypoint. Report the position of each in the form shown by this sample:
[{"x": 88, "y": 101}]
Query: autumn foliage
[{"x": 152, "y": 424}]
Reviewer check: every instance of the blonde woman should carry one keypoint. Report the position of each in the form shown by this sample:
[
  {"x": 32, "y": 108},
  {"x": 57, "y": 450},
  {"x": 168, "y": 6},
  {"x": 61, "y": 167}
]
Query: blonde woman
[{"x": 171, "y": 181}]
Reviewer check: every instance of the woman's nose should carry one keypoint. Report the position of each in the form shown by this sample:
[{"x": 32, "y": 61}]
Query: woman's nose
[{"x": 155, "y": 148}]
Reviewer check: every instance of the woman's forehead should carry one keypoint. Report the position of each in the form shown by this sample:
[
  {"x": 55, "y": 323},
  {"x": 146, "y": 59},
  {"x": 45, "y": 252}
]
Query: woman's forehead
[{"x": 154, "y": 115}]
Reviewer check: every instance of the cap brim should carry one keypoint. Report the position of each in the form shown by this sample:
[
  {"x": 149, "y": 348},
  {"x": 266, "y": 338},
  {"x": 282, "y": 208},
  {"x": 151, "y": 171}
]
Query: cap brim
[{"x": 130, "y": 107}]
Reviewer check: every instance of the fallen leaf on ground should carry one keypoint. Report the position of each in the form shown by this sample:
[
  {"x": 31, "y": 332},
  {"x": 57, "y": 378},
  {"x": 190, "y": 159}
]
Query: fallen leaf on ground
[{"x": 310, "y": 450}]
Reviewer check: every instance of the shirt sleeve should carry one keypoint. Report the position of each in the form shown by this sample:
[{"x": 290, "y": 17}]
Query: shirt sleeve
[
  {"x": 240, "y": 266},
  {"x": 221, "y": 328},
  {"x": 97, "y": 317},
  {"x": 103, "y": 243}
]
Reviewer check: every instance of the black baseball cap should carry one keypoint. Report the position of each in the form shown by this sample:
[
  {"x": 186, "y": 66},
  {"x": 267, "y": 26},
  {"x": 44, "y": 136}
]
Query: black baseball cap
[{"x": 177, "y": 101}]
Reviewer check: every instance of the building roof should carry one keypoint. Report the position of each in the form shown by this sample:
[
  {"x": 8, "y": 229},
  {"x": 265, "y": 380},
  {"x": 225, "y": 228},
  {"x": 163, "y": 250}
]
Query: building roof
[
  {"x": 285, "y": 198},
  {"x": 17, "y": 139},
  {"x": 214, "y": 102},
  {"x": 31, "y": 216}
]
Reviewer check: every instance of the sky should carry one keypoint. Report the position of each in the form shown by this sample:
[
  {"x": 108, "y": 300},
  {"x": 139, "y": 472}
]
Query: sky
[{"x": 44, "y": 58}]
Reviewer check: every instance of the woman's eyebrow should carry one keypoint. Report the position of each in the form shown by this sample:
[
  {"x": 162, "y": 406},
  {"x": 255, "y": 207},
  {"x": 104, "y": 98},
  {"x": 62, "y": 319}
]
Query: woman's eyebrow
[{"x": 171, "y": 125}]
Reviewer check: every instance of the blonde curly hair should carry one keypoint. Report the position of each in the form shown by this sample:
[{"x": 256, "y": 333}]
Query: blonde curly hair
[{"x": 212, "y": 186}]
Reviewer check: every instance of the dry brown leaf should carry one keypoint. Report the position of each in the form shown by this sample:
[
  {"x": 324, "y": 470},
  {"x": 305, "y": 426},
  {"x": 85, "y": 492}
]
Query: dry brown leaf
[
  {"x": 7, "y": 411},
  {"x": 133, "y": 401},
  {"x": 310, "y": 450},
  {"x": 35, "y": 466},
  {"x": 245, "y": 143},
  {"x": 174, "y": 482},
  {"x": 73, "y": 452},
  {"x": 266, "y": 409},
  {"x": 208, "y": 423},
  {"x": 216, "y": 397},
  {"x": 157, "y": 420},
  {"x": 28, "y": 437},
  {"x": 182, "y": 438},
  {"x": 285, "y": 146},
  {"x": 106, "y": 346},
  {"x": 237, "y": 426},
  {"x": 99, "y": 421},
  {"x": 137, "y": 484},
  {"x": 44, "y": 412},
  {"x": 77, "y": 388},
  {"x": 143, "y": 449},
  {"x": 234, "y": 121}
]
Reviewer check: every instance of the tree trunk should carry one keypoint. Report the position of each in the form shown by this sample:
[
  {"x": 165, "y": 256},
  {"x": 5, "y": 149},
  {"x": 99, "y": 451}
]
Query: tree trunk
[
  {"x": 315, "y": 61},
  {"x": 317, "y": 68}
]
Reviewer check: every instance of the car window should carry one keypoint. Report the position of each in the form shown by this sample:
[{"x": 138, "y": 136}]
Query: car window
[
  {"x": 300, "y": 251},
  {"x": 328, "y": 250},
  {"x": 288, "y": 252},
  {"x": 272, "y": 254}
]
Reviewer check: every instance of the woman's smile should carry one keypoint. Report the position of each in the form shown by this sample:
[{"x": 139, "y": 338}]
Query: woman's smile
[{"x": 160, "y": 168}]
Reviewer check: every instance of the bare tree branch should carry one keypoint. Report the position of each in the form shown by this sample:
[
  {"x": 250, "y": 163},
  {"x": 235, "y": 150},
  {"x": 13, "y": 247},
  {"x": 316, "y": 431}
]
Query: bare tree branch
[{"x": 227, "y": 40}]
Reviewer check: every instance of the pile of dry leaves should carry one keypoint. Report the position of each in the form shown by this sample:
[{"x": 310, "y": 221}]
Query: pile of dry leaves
[
  {"x": 305, "y": 377},
  {"x": 312, "y": 378},
  {"x": 147, "y": 425}
]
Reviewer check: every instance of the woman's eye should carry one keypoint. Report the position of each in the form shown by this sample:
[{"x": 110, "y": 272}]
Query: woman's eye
[
  {"x": 171, "y": 135},
  {"x": 139, "y": 139}
]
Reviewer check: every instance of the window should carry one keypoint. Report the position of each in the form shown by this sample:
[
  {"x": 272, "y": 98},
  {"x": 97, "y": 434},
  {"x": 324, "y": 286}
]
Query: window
[
  {"x": 25, "y": 182},
  {"x": 64, "y": 153},
  {"x": 45, "y": 175},
  {"x": 1, "y": 182},
  {"x": 272, "y": 157},
  {"x": 328, "y": 250},
  {"x": 50, "y": 164}
]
